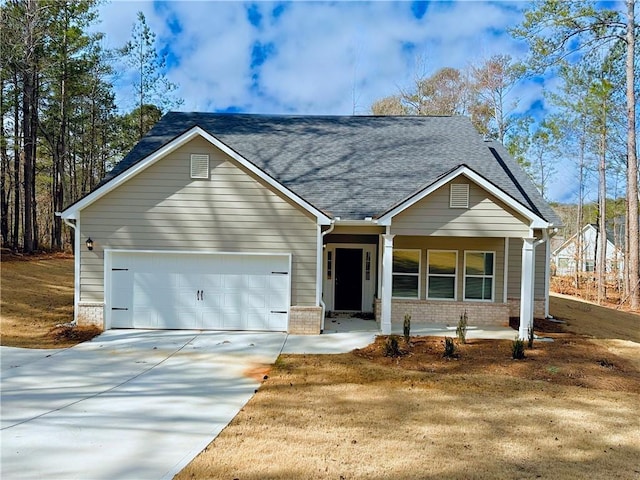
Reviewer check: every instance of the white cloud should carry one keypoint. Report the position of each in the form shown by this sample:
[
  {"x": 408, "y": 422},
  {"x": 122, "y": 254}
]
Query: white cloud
[{"x": 323, "y": 58}]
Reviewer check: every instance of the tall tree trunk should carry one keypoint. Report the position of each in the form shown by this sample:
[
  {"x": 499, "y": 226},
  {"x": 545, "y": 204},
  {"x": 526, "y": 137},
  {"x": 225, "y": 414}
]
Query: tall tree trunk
[
  {"x": 28, "y": 112},
  {"x": 16, "y": 168},
  {"x": 580, "y": 215},
  {"x": 632, "y": 164},
  {"x": 601, "y": 257},
  {"x": 4, "y": 173}
]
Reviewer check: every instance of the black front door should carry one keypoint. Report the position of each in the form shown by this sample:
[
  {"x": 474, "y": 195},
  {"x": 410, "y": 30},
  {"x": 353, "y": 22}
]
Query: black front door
[{"x": 348, "y": 292}]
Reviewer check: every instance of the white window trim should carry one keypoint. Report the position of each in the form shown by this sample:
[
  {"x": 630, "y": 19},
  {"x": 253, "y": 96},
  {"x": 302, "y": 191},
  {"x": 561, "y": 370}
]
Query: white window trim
[
  {"x": 464, "y": 278},
  {"x": 454, "y": 275},
  {"x": 410, "y": 274}
]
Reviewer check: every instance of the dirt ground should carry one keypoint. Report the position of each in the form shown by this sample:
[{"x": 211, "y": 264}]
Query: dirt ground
[
  {"x": 36, "y": 296},
  {"x": 595, "y": 321},
  {"x": 566, "y": 411}
]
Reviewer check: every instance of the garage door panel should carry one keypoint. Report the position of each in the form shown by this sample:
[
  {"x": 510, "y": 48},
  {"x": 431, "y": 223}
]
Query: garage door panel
[
  {"x": 199, "y": 291},
  {"x": 257, "y": 320},
  {"x": 233, "y": 300},
  {"x": 211, "y": 319},
  {"x": 144, "y": 318},
  {"x": 232, "y": 320},
  {"x": 277, "y": 321},
  {"x": 213, "y": 300},
  {"x": 120, "y": 319},
  {"x": 234, "y": 281},
  {"x": 256, "y": 299},
  {"x": 258, "y": 281},
  {"x": 211, "y": 281}
]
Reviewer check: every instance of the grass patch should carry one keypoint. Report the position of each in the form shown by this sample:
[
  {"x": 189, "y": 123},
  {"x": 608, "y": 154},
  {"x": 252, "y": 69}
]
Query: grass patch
[
  {"x": 595, "y": 321},
  {"x": 362, "y": 415},
  {"x": 37, "y": 295}
]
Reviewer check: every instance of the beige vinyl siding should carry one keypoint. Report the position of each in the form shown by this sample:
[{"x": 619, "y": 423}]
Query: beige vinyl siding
[
  {"x": 515, "y": 269},
  {"x": 460, "y": 245},
  {"x": 486, "y": 216},
  {"x": 538, "y": 288},
  {"x": 162, "y": 208}
]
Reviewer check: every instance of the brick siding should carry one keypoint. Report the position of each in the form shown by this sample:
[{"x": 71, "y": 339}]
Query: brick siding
[
  {"x": 91, "y": 314},
  {"x": 447, "y": 313},
  {"x": 305, "y": 320}
]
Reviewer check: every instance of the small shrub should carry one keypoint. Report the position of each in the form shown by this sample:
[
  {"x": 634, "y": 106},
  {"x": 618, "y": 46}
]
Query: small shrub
[
  {"x": 531, "y": 336},
  {"x": 517, "y": 349},
  {"x": 449, "y": 348},
  {"x": 407, "y": 328},
  {"x": 461, "y": 329},
  {"x": 391, "y": 347}
]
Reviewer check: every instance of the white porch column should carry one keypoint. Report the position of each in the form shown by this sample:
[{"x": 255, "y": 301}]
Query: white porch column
[
  {"x": 387, "y": 279},
  {"x": 526, "y": 287}
]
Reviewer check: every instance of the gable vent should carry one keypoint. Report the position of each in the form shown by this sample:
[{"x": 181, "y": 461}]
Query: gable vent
[
  {"x": 459, "y": 195},
  {"x": 199, "y": 165}
]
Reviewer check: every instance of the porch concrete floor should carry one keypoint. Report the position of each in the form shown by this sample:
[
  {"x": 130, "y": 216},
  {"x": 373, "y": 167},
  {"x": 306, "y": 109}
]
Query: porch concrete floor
[{"x": 355, "y": 324}]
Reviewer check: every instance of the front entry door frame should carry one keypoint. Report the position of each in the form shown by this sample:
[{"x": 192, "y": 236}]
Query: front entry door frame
[{"x": 368, "y": 274}]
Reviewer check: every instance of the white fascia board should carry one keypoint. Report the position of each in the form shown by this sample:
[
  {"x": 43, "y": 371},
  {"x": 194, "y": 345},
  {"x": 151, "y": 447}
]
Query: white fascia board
[
  {"x": 536, "y": 221},
  {"x": 72, "y": 212}
]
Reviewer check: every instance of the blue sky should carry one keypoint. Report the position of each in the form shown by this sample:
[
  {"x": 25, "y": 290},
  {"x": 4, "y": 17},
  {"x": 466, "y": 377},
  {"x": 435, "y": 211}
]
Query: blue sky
[{"x": 320, "y": 57}]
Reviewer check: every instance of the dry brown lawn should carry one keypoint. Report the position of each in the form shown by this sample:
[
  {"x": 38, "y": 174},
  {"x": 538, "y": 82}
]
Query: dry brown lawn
[
  {"x": 36, "y": 295},
  {"x": 595, "y": 321},
  {"x": 567, "y": 411}
]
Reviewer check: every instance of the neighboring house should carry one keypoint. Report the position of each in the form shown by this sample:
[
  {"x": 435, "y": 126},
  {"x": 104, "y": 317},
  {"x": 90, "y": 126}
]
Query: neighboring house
[
  {"x": 236, "y": 222},
  {"x": 566, "y": 259}
]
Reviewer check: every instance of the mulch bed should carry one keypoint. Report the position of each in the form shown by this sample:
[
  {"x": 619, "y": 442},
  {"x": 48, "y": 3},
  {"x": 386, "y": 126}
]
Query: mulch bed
[{"x": 568, "y": 360}]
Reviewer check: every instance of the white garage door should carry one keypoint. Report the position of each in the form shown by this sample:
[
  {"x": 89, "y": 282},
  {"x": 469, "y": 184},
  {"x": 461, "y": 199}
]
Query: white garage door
[{"x": 199, "y": 291}]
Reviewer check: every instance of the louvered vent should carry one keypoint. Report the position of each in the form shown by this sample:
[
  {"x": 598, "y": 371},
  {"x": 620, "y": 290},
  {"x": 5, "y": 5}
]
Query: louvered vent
[
  {"x": 459, "y": 195},
  {"x": 199, "y": 166}
]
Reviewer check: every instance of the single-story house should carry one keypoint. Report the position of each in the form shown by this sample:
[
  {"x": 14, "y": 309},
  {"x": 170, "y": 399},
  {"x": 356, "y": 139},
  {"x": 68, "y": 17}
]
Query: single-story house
[
  {"x": 235, "y": 221},
  {"x": 566, "y": 260}
]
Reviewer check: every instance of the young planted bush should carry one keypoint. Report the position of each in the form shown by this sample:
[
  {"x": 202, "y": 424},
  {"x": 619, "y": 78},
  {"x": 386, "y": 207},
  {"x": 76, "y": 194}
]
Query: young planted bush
[
  {"x": 517, "y": 349},
  {"x": 461, "y": 329},
  {"x": 449, "y": 348},
  {"x": 407, "y": 328},
  {"x": 391, "y": 347},
  {"x": 530, "y": 335}
]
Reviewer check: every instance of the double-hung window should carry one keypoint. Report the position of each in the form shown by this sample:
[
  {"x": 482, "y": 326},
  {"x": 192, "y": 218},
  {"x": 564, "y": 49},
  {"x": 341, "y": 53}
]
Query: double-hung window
[
  {"x": 406, "y": 274},
  {"x": 479, "y": 276},
  {"x": 441, "y": 274}
]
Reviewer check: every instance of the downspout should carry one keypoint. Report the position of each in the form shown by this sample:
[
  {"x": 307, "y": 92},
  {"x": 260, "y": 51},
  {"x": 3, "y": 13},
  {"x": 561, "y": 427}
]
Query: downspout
[{"x": 320, "y": 266}]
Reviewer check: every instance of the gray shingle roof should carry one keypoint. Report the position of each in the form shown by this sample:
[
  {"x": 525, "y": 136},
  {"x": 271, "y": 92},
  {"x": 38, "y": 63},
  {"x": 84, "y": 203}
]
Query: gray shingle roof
[{"x": 352, "y": 167}]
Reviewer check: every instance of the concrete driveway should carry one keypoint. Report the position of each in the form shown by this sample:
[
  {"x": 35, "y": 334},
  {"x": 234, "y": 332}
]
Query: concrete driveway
[
  {"x": 135, "y": 404},
  {"x": 129, "y": 404}
]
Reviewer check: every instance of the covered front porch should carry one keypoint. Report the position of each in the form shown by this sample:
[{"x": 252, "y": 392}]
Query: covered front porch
[{"x": 433, "y": 279}]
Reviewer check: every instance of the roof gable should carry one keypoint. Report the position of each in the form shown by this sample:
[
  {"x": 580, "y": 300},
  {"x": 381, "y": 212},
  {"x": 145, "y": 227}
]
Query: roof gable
[
  {"x": 463, "y": 171},
  {"x": 588, "y": 233}
]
